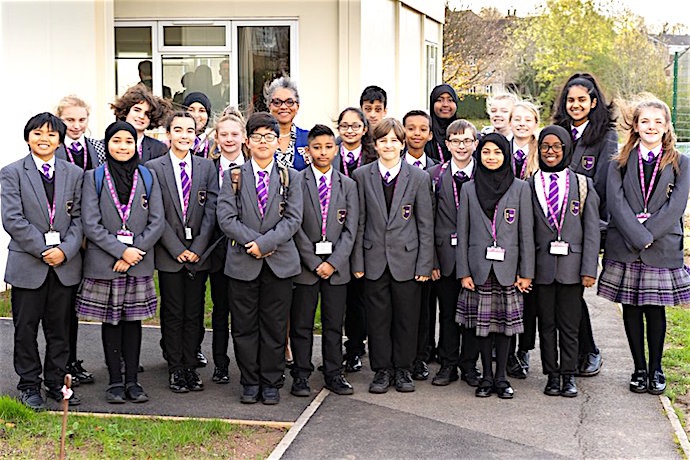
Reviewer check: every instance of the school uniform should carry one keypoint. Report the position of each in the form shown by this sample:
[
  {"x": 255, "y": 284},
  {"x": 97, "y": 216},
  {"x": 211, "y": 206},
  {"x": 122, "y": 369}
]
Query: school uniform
[
  {"x": 394, "y": 243},
  {"x": 558, "y": 278},
  {"x": 337, "y": 196},
  {"x": 40, "y": 292},
  {"x": 189, "y": 225},
  {"x": 74, "y": 151},
  {"x": 149, "y": 148},
  {"x": 202, "y": 145},
  {"x": 261, "y": 288},
  {"x": 519, "y": 160}
]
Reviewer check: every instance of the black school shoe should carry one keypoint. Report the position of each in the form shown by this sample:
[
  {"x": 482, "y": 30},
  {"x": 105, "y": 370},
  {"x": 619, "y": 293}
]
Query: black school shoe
[
  {"x": 115, "y": 394},
  {"x": 78, "y": 373},
  {"x": 221, "y": 375},
  {"x": 514, "y": 368},
  {"x": 553, "y": 385},
  {"x": 353, "y": 363},
  {"x": 135, "y": 393},
  {"x": 657, "y": 383},
  {"x": 300, "y": 387},
  {"x": 569, "y": 389},
  {"x": 590, "y": 364},
  {"x": 56, "y": 394},
  {"x": 194, "y": 382},
  {"x": 472, "y": 377},
  {"x": 403, "y": 381},
  {"x": 31, "y": 398},
  {"x": 178, "y": 382},
  {"x": 339, "y": 385},
  {"x": 445, "y": 375},
  {"x": 201, "y": 360},
  {"x": 484, "y": 390},
  {"x": 420, "y": 370},
  {"x": 250, "y": 394},
  {"x": 382, "y": 380},
  {"x": 270, "y": 396},
  {"x": 638, "y": 381},
  {"x": 504, "y": 390}
]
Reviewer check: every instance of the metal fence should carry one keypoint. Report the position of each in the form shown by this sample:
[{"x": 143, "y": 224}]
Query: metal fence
[{"x": 681, "y": 99}]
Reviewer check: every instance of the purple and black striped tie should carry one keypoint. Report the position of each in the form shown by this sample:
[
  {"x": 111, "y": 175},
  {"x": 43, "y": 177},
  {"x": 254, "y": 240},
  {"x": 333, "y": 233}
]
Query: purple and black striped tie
[
  {"x": 519, "y": 155},
  {"x": 574, "y": 133},
  {"x": 552, "y": 200},
  {"x": 262, "y": 191},
  {"x": 46, "y": 170},
  {"x": 76, "y": 148},
  {"x": 186, "y": 187},
  {"x": 324, "y": 197}
]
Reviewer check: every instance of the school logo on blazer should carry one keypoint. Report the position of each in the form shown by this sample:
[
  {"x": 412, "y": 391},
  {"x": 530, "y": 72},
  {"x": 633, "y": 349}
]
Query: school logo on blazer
[
  {"x": 669, "y": 189},
  {"x": 144, "y": 202},
  {"x": 69, "y": 206},
  {"x": 406, "y": 211},
  {"x": 575, "y": 207},
  {"x": 201, "y": 197},
  {"x": 588, "y": 162},
  {"x": 281, "y": 208},
  {"x": 509, "y": 215},
  {"x": 342, "y": 213}
]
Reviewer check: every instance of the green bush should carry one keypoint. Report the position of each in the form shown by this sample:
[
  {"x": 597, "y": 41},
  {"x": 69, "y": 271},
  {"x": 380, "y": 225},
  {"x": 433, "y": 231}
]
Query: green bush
[{"x": 472, "y": 106}]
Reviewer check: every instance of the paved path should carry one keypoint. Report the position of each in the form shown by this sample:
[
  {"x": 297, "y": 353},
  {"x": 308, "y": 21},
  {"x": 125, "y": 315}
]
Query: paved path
[{"x": 605, "y": 420}]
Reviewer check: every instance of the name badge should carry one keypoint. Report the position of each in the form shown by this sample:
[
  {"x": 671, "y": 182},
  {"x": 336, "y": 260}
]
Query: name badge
[
  {"x": 125, "y": 237},
  {"x": 453, "y": 239},
  {"x": 52, "y": 238},
  {"x": 188, "y": 233},
  {"x": 559, "y": 248},
  {"x": 495, "y": 253},
  {"x": 323, "y": 248},
  {"x": 643, "y": 216}
]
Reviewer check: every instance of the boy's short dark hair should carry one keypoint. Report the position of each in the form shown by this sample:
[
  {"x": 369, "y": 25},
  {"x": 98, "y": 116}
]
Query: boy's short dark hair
[
  {"x": 178, "y": 114},
  {"x": 459, "y": 127},
  {"x": 319, "y": 130},
  {"x": 373, "y": 93},
  {"x": 262, "y": 120},
  {"x": 45, "y": 118},
  {"x": 417, "y": 113}
]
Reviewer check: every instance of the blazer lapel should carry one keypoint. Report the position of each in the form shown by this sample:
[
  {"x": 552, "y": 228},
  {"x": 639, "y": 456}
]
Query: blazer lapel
[
  {"x": 535, "y": 200},
  {"x": 660, "y": 194},
  {"x": 249, "y": 190},
  {"x": 273, "y": 188},
  {"x": 60, "y": 185},
  {"x": 145, "y": 150},
  {"x": 313, "y": 193},
  {"x": 336, "y": 187},
  {"x": 399, "y": 191},
  {"x": 172, "y": 186},
  {"x": 37, "y": 184},
  {"x": 377, "y": 186},
  {"x": 632, "y": 177}
]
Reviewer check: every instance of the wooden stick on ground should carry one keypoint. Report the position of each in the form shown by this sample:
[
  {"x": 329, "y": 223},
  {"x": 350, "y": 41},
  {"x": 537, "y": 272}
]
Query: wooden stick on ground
[{"x": 66, "y": 393}]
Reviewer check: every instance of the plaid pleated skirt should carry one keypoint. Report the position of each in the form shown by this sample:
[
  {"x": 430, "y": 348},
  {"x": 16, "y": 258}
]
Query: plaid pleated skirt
[
  {"x": 636, "y": 283},
  {"x": 491, "y": 308},
  {"x": 125, "y": 298}
]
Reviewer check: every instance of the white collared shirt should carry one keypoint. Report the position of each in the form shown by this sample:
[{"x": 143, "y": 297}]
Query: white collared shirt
[
  {"x": 39, "y": 164},
  {"x": 225, "y": 165},
  {"x": 318, "y": 174},
  {"x": 525, "y": 149},
  {"x": 580, "y": 129},
  {"x": 176, "y": 171},
  {"x": 411, "y": 160},
  {"x": 69, "y": 142},
  {"x": 644, "y": 152},
  {"x": 395, "y": 170},
  {"x": 356, "y": 152},
  {"x": 541, "y": 193},
  {"x": 467, "y": 169},
  {"x": 256, "y": 168}
]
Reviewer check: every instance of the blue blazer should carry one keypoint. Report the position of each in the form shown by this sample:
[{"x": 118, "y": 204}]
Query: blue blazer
[{"x": 300, "y": 161}]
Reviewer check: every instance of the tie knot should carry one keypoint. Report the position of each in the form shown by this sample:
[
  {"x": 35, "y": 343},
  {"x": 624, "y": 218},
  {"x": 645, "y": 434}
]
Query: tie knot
[
  {"x": 387, "y": 176},
  {"x": 183, "y": 164},
  {"x": 76, "y": 147},
  {"x": 418, "y": 163},
  {"x": 350, "y": 158},
  {"x": 650, "y": 156},
  {"x": 262, "y": 174},
  {"x": 519, "y": 155},
  {"x": 460, "y": 175},
  {"x": 232, "y": 165},
  {"x": 323, "y": 180},
  {"x": 574, "y": 133},
  {"x": 554, "y": 177}
]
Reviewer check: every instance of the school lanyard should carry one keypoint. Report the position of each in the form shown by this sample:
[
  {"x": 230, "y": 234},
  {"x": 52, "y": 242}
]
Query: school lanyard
[
  {"x": 556, "y": 221},
  {"x": 647, "y": 193},
  {"x": 493, "y": 225},
  {"x": 140, "y": 149},
  {"x": 204, "y": 149},
  {"x": 71, "y": 158},
  {"x": 342, "y": 157},
  {"x": 51, "y": 210},
  {"x": 522, "y": 170},
  {"x": 126, "y": 209}
]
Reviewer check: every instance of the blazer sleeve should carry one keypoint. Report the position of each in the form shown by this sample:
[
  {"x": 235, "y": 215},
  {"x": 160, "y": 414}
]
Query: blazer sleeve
[
  {"x": 228, "y": 215},
  {"x": 156, "y": 220},
  {"x": 425, "y": 227},
  {"x": 71, "y": 243},
  {"x": 463, "y": 224},
  {"x": 291, "y": 221},
  {"x": 208, "y": 222},
  {"x": 93, "y": 222},
  {"x": 591, "y": 234},
  {"x": 526, "y": 234},
  {"x": 622, "y": 215},
  {"x": 357, "y": 258},
  {"x": 662, "y": 221},
  {"x": 343, "y": 247}
]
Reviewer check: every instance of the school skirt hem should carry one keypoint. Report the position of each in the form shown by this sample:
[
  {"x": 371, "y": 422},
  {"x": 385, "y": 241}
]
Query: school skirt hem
[
  {"x": 125, "y": 298},
  {"x": 636, "y": 283}
]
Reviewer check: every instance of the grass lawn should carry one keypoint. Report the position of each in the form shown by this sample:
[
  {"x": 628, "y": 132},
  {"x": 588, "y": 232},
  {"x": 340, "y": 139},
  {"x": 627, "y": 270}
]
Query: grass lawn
[
  {"x": 25, "y": 434},
  {"x": 676, "y": 360}
]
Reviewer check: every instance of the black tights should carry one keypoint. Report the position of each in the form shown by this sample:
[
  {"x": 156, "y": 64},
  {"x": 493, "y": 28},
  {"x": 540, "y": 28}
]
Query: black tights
[
  {"x": 502, "y": 344},
  {"x": 633, "y": 320},
  {"x": 122, "y": 341}
]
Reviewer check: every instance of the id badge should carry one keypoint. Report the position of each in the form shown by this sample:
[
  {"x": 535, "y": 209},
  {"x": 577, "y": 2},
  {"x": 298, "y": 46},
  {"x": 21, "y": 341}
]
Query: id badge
[
  {"x": 188, "y": 233},
  {"x": 453, "y": 239},
  {"x": 324, "y": 248},
  {"x": 125, "y": 237},
  {"x": 559, "y": 248},
  {"x": 52, "y": 238},
  {"x": 495, "y": 253},
  {"x": 643, "y": 216}
]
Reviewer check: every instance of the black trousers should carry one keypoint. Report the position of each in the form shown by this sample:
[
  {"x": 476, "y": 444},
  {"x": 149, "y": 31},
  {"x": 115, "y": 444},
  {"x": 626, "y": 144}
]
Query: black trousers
[
  {"x": 392, "y": 321},
  {"x": 182, "y": 315},
  {"x": 634, "y": 317},
  {"x": 304, "y": 301},
  {"x": 559, "y": 314},
  {"x": 450, "y": 332},
  {"x": 50, "y": 305},
  {"x": 73, "y": 327},
  {"x": 259, "y": 311},
  {"x": 427, "y": 315},
  {"x": 355, "y": 318},
  {"x": 219, "y": 318},
  {"x": 586, "y": 335}
]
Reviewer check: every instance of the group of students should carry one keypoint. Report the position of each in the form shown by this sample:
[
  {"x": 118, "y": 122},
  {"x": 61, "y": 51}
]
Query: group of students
[{"x": 381, "y": 226}]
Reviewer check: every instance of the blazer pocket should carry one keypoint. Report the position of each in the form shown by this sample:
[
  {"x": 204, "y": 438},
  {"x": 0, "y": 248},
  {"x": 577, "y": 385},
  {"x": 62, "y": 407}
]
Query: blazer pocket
[
  {"x": 577, "y": 248},
  {"x": 411, "y": 245},
  {"x": 201, "y": 197},
  {"x": 367, "y": 244}
]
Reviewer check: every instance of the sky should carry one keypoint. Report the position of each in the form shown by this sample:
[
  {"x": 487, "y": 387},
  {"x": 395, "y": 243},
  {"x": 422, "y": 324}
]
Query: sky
[{"x": 661, "y": 11}]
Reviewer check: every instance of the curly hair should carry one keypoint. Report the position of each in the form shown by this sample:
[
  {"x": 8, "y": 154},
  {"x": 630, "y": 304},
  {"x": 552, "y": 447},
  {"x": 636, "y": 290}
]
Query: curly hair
[{"x": 159, "y": 108}]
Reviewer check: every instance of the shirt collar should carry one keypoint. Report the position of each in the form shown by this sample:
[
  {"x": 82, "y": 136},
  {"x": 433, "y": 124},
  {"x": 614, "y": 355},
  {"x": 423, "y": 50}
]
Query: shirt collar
[
  {"x": 394, "y": 170},
  {"x": 579, "y": 129},
  {"x": 467, "y": 169},
  {"x": 225, "y": 163},
  {"x": 176, "y": 161},
  {"x": 525, "y": 148},
  {"x": 256, "y": 168},
  {"x": 69, "y": 142},
  {"x": 39, "y": 163},
  {"x": 645, "y": 152},
  {"x": 318, "y": 174},
  {"x": 356, "y": 152},
  {"x": 411, "y": 160}
]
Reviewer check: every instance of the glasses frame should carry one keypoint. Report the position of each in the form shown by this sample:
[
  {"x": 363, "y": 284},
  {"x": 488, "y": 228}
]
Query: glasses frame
[
  {"x": 557, "y": 148},
  {"x": 344, "y": 127},
  {"x": 268, "y": 137},
  {"x": 290, "y": 102}
]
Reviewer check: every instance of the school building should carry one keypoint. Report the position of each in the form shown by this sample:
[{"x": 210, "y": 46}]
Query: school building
[{"x": 332, "y": 48}]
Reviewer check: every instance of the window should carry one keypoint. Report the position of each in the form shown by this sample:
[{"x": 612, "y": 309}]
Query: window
[{"x": 431, "y": 68}]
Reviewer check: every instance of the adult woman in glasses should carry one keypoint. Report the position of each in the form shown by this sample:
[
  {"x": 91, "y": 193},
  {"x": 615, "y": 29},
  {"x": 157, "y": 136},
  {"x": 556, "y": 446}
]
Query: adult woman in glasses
[{"x": 282, "y": 100}]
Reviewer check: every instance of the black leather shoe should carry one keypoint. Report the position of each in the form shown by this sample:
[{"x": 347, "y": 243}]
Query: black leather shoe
[
  {"x": 135, "y": 393},
  {"x": 569, "y": 389},
  {"x": 657, "y": 383},
  {"x": 471, "y": 377},
  {"x": 514, "y": 368},
  {"x": 353, "y": 363},
  {"x": 403, "y": 381},
  {"x": 553, "y": 385},
  {"x": 78, "y": 372},
  {"x": 420, "y": 370},
  {"x": 115, "y": 394},
  {"x": 504, "y": 390},
  {"x": 638, "y": 381},
  {"x": 270, "y": 396},
  {"x": 591, "y": 364},
  {"x": 339, "y": 385},
  {"x": 300, "y": 387},
  {"x": 56, "y": 394},
  {"x": 201, "y": 360},
  {"x": 250, "y": 394},
  {"x": 178, "y": 382},
  {"x": 31, "y": 398},
  {"x": 445, "y": 375},
  {"x": 381, "y": 382},
  {"x": 194, "y": 382},
  {"x": 221, "y": 375},
  {"x": 484, "y": 389},
  {"x": 523, "y": 359}
]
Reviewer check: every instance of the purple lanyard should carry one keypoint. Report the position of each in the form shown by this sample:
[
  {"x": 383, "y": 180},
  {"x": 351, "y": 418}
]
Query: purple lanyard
[
  {"x": 440, "y": 152},
  {"x": 455, "y": 191},
  {"x": 140, "y": 148},
  {"x": 342, "y": 157},
  {"x": 558, "y": 223},
  {"x": 204, "y": 148},
  {"x": 71, "y": 158},
  {"x": 493, "y": 225},
  {"x": 51, "y": 211},
  {"x": 647, "y": 193},
  {"x": 523, "y": 169},
  {"x": 122, "y": 210}
]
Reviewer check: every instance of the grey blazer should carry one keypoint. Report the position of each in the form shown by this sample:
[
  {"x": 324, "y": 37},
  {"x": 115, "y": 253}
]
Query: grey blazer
[
  {"x": 25, "y": 219},
  {"x": 401, "y": 239},
  {"x": 102, "y": 221},
  {"x": 95, "y": 148},
  {"x": 626, "y": 237},
  {"x": 580, "y": 231},
  {"x": 514, "y": 233},
  {"x": 273, "y": 233},
  {"x": 341, "y": 227},
  {"x": 152, "y": 148},
  {"x": 201, "y": 213}
]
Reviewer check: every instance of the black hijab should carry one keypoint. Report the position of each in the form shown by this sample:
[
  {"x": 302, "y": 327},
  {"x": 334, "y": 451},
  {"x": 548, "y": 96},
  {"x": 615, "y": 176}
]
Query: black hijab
[
  {"x": 567, "y": 142},
  {"x": 202, "y": 99},
  {"x": 122, "y": 172},
  {"x": 439, "y": 125},
  {"x": 492, "y": 184}
]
